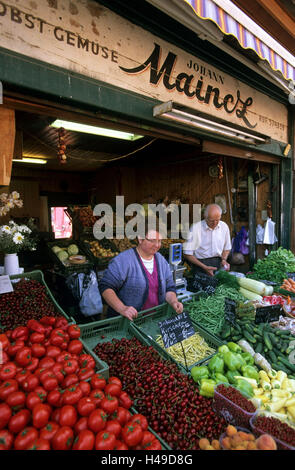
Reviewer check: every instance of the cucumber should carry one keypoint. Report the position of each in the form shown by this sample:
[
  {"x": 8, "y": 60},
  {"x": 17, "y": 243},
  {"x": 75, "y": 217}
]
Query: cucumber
[
  {"x": 236, "y": 338},
  {"x": 259, "y": 348},
  {"x": 249, "y": 328},
  {"x": 277, "y": 366},
  {"x": 286, "y": 363},
  {"x": 267, "y": 341},
  {"x": 272, "y": 356},
  {"x": 249, "y": 337}
]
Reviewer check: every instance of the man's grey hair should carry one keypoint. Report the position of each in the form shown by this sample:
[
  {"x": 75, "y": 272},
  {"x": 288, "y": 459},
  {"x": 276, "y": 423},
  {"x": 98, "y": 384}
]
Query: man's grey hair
[{"x": 211, "y": 206}]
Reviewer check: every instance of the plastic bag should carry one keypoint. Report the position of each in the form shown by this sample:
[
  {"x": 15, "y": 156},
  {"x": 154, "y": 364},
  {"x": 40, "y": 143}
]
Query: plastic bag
[
  {"x": 259, "y": 234},
  {"x": 269, "y": 233},
  {"x": 84, "y": 288}
]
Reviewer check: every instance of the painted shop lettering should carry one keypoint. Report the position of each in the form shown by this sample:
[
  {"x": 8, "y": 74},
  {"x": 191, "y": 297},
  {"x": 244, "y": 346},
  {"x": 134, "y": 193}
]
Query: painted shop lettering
[
  {"x": 205, "y": 72},
  {"x": 185, "y": 83}
]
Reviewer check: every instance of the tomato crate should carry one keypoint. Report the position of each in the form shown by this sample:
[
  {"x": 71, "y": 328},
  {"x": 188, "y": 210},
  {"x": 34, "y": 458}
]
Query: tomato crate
[
  {"x": 147, "y": 324},
  {"x": 38, "y": 276},
  {"x": 67, "y": 267}
]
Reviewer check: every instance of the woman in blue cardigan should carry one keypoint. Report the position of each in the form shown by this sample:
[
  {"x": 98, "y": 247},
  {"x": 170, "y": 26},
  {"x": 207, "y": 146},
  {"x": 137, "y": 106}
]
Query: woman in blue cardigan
[{"x": 138, "y": 279}]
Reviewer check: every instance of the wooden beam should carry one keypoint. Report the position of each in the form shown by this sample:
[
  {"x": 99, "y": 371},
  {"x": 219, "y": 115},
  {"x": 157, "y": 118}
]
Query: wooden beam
[
  {"x": 7, "y": 137},
  {"x": 232, "y": 151}
]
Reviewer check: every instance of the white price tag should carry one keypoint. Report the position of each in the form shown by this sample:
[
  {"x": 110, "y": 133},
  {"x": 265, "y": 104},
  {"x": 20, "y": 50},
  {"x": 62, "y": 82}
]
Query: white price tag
[{"x": 5, "y": 285}]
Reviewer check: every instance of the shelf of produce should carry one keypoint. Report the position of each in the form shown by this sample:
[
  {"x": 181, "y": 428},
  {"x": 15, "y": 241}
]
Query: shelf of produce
[
  {"x": 147, "y": 324},
  {"x": 100, "y": 262},
  {"x": 39, "y": 277},
  {"x": 66, "y": 266}
]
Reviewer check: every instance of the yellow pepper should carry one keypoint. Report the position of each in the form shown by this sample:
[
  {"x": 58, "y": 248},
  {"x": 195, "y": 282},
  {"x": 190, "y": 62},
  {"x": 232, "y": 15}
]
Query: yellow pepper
[
  {"x": 290, "y": 402},
  {"x": 281, "y": 393},
  {"x": 291, "y": 411},
  {"x": 263, "y": 376},
  {"x": 277, "y": 405}
]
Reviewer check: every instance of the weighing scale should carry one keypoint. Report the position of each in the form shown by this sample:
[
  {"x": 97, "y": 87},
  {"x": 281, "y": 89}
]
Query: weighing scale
[{"x": 175, "y": 258}]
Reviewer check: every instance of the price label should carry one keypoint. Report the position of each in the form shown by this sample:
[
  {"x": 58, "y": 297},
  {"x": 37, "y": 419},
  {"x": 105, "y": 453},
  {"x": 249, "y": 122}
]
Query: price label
[
  {"x": 230, "y": 310},
  {"x": 176, "y": 329},
  {"x": 5, "y": 285},
  {"x": 268, "y": 314}
]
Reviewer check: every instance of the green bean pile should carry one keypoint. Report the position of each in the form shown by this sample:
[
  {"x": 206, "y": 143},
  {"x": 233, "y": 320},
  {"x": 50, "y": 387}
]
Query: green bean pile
[{"x": 209, "y": 311}]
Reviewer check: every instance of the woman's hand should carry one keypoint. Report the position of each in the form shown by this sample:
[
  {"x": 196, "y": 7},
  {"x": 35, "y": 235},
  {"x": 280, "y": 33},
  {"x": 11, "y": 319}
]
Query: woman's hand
[
  {"x": 129, "y": 312},
  {"x": 177, "y": 306}
]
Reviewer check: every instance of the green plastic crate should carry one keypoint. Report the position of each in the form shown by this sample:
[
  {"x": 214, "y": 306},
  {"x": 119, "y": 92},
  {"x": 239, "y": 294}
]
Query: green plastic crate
[
  {"x": 38, "y": 276},
  {"x": 147, "y": 324}
]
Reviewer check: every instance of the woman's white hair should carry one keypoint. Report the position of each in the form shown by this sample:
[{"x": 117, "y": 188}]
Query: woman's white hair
[{"x": 211, "y": 206}]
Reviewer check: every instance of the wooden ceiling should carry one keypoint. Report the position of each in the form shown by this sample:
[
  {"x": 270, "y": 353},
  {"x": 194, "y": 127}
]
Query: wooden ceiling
[{"x": 277, "y": 17}]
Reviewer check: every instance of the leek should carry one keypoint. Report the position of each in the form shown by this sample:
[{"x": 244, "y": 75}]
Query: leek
[
  {"x": 253, "y": 286},
  {"x": 250, "y": 295}
]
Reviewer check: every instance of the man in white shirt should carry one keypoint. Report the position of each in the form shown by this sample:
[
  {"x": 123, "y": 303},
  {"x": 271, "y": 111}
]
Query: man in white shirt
[{"x": 209, "y": 244}]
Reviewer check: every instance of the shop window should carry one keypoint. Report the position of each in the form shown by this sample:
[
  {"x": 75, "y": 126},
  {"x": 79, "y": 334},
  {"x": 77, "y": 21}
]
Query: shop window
[{"x": 60, "y": 222}]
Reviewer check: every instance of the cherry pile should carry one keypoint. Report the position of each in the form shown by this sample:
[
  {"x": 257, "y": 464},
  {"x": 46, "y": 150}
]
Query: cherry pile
[
  {"x": 276, "y": 428},
  {"x": 168, "y": 398},
  {"x": 28, "y": 301}
]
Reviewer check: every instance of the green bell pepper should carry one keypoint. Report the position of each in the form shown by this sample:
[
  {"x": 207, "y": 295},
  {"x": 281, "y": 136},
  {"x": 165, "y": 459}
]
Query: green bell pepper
[
  {"x": 199, "y": 373},
  {"x": 216, "y": 364},
  {"x": 248, "y": 358},
  {"x": 242, "y": 360},
  {"x": 223, "y": 349},
  {"x": 220, "y": 378},
  {"x": 207, "y": 388},
  {"x": 231, "y": 376},
  {"x": 233, "y": 347},
  {"x": 232, "y": 361},
  {"x": 245, "y": 388},
  {"x": 250, "y": 372}
]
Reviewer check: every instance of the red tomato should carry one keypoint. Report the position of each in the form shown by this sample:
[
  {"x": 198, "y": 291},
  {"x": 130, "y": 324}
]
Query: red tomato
[
  {"x": 63, "y": 438},
  {"x": 39, "y": 444},
  {"x": 125, "y": 400},
  {"x": 105, "y": 441},
  {"x": 41, "y": 392},
  {"x": 69, "y": 380},
  {"x": 41, "y": 415},
  {"x": 153, "y": 445},
  {"x": 68, "y": 416},
  {"x": 71, "y": 366},
  {"x": 4, "y": 341},
  {"x": 115, "y": 380},
  {"x": 54, "y": 398},
  {"x": 97, "y": 395},
  {"x": 114, "y": 427},
  {"x": 8, "y": 371},
  {"x": 97, "y": 420},
  {"x": 72, "y": 395},
  {"x": 109, "y": 404},
  {"x": 132, "y": 434},
  {"x": 50, "y": 383},
  {"x": 5, "y": 415},
  {"x": 32, "y": 400},
  {"x": 5, "y": 358},
  {"x": 19, "y": 421},
  {"x": 120, "y": 446},
  {"x": 64, "y": 356},
  {"x": 6, "y": 439},
  {"x": 98, "y": 382},
  {"x": 73, "y": 331},
  {"x": 85, "y": 406},
  {"x": 53, "y": 351},
  {"x": 16, "y": 399},
  {"x": 32, "y": 366},
  {"x": 14, "y": 347},
  {"x": 57, "y": 337},
  {"x": 55, "y": 415},
  {"x": 58, "y": 372},
  {"x": 7, "y": 388},
  {"x": 62, "y": 323},
  {"x": 81, "y": 424},
  {"x": 37, "y": 337},
  {"x": 84, "y": 441},
  {"x": 30, "y": 383},
  {"x": 141, "y": 420},
  {"x": 48, "y": 431},
  {"x": 86, "y": 361},
  {"x": 75, "y": 346},
  {"x": 25, "y": 438},
  {"x": 38, "y": 350},
  {"x": 112, "y": 389},
  {"x": 47, "y": 362},
  {"x": 85, "y": 374},
  {"x": 23, "y": 356},
  {"x": 121, "y": 415},
  {"x": 85, "y": 387},
  {"x": 21, "y": 376}
]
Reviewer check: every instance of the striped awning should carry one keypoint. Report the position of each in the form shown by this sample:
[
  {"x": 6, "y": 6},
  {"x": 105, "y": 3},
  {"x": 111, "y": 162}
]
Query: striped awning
[{"x": 209, "y": 10}]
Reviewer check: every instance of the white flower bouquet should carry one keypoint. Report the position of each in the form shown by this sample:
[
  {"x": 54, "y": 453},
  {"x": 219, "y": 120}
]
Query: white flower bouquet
[
  {"x": 15, "y": 238},
  {"x": 9, "y": 201}
]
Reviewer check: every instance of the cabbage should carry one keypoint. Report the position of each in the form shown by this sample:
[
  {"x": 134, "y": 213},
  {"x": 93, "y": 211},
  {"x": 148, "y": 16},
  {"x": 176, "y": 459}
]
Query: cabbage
[
  {"x": 73, "y": 250},
  {"x": 62, "y": 255},
  {"x": 56, "y": 249}
]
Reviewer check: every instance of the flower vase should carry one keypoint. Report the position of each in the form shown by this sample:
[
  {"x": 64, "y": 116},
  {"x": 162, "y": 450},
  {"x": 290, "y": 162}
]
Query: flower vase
[{"x": 11, "y": 264}]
